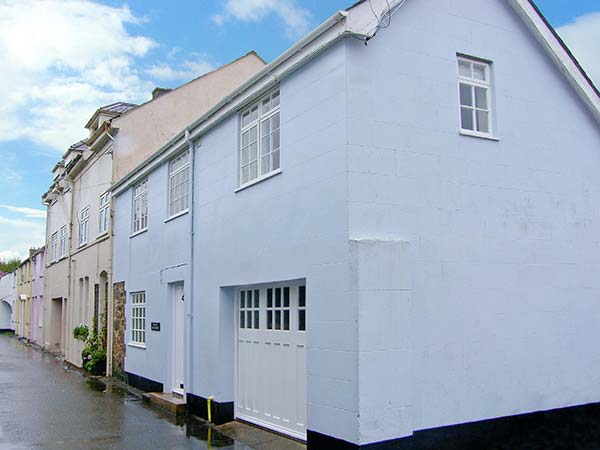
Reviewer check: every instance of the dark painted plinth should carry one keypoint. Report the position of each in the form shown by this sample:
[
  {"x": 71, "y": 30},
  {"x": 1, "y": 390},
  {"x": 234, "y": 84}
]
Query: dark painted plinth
[
  {"x": 142, "y": 383},
  {"x": 571, "y": 428},
  {"x": 221, "y": 412}
]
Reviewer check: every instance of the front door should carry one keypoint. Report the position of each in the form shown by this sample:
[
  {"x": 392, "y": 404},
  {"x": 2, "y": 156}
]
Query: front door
[{"x": 178, "y": 339}]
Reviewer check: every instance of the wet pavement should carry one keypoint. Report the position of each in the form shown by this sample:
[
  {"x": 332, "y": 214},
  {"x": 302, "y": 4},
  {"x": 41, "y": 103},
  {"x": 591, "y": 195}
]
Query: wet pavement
[{"x": 44, "y": 405}]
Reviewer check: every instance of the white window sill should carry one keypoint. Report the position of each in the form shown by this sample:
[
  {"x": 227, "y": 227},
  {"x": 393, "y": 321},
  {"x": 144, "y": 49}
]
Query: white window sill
[
  {"x": 136, "y": 345},
  {"x": 83, "y": 244},
  {"x": 489, "y": 137},
  {"x": 137, "y": 233},
  {"x": 175, "y": 216},
  {"x": 259, "y": 179}
]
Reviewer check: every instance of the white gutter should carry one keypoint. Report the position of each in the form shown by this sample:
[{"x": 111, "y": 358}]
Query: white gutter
[{"x": 262, "y": 80}]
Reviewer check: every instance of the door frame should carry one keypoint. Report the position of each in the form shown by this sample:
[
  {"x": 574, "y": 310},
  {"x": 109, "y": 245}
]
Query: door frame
[{"x": 174, "y": 287}]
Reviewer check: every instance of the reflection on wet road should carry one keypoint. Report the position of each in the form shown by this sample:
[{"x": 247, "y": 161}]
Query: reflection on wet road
[{"x": 46, "y": 406}]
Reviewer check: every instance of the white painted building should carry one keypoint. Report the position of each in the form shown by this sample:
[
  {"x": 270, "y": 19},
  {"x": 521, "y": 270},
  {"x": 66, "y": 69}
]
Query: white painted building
[
  {"x": 367, "y": 241},
  {"x": 8, "y": 297}
]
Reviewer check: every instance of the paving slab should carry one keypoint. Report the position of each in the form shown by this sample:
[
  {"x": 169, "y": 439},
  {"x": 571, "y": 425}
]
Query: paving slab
[{"x": 258, "y": 438}]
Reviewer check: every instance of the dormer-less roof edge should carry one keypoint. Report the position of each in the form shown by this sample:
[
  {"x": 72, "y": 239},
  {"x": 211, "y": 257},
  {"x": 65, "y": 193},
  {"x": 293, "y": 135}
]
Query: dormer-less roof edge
[
  {"x": 198, "y": 78},
  {"x": 559, "y": 52}
]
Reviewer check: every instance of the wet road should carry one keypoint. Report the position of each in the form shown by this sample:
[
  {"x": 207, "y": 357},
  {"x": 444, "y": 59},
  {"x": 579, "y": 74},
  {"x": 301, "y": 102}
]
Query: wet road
[{"x": 45, "y": 406}]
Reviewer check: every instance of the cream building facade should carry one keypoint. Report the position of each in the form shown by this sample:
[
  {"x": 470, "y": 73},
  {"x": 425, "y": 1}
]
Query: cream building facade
[
  {"x": 58, "y": 201},
  {"x": 79, "y": 234}
]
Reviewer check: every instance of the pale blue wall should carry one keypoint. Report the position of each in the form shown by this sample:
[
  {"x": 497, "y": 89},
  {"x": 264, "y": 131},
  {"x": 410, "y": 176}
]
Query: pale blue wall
[
  {"x": 291, "y": 226},
  {"x": 449, "y": 278},
  {"x": 149, "y": 262},
  {"x": 498, "y": 315}
]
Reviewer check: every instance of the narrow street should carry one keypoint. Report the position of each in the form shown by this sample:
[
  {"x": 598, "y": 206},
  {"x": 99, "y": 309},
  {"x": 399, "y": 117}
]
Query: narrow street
[{"x": 45, "y": 406}]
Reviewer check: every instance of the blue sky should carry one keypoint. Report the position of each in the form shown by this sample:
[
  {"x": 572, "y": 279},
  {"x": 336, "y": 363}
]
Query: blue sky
[{"x": 61, "y": 59}]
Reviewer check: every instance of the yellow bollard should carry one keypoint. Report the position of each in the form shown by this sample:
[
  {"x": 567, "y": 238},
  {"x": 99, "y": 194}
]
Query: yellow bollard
[
  {"x": 209, "y": 410},
  {"x": 208, "y": 404}
]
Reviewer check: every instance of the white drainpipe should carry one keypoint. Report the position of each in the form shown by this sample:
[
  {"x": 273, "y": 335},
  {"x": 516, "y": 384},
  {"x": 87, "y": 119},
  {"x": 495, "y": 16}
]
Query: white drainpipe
[{"x": 189, "y": 302}]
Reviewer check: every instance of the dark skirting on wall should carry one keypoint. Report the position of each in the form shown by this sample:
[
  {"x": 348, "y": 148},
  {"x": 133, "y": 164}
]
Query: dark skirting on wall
[
  {"x": 142, "y": 383},
  {"x": 221, "y": 412},
  {"x": 558, "y": 428}
]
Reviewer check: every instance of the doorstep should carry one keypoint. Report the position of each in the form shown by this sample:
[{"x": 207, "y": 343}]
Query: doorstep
[
  {"x": 258, "y": 438},
  {"x": 170, "y": 402}
]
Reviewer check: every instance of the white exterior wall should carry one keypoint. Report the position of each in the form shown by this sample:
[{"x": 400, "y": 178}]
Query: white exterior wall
[
  {"x": 498, "y": 313},
  {"x": 8, "y": 296}
]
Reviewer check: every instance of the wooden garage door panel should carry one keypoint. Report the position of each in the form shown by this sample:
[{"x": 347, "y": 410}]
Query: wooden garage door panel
[{"x": 271, "y": 362}]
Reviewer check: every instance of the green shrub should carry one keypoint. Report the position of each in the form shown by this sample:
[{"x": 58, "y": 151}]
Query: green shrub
[
  {"x": 93, "y": 355},
  {"x": 81, "y": 332}
]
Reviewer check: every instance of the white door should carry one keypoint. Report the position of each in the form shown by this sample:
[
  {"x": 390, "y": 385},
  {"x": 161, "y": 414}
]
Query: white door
[
  {"x": 271, "y": 357},
  {"x": 177, "y": 339}
]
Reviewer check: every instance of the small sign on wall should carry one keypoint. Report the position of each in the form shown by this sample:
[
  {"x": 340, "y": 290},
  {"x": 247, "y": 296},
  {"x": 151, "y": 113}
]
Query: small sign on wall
[{"x": 155, "y": 326}]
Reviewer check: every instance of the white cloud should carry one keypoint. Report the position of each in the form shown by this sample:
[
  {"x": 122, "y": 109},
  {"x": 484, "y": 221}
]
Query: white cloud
[
  {"x": 27, "y": 212},
  {"x": 19, "y": 235},
  {"x": 583, "y": 38},
  {"x": 61, "y": 60},
  {"x": 8, "y": 255},
  {"x": 187, "y": 70},
  {"x": 296, "y": 19}
]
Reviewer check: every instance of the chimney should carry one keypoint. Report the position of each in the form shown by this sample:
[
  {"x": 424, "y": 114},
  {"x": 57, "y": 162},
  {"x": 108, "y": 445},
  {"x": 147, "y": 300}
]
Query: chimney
[{"x": 158, "y": 91}]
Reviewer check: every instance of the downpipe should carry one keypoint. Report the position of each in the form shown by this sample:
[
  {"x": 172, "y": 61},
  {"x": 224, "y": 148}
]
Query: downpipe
[{"x": 189, "y": 304}]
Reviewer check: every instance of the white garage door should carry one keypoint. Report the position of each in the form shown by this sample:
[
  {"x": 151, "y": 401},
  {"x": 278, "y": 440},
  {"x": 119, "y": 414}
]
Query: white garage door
[{"x": 271, "y": 357}]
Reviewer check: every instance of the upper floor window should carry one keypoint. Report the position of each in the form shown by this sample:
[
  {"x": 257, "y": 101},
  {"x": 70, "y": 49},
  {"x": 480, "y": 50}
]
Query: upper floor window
[
  {"x": 475, "y": 97},
  {"x": 140, "y": 206},
  {"x": 104, "y": 214},
  {"x": 179, "y": 172},
  {"x": 84, "y": 221},
  {"x": 63, "y": 241},
  {"x": 260, "y": 138},
  {"x": 54, "y": 247}
]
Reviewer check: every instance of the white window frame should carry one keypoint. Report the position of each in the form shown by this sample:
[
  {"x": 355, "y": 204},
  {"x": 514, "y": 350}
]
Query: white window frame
[
  {"x": 54, "y": 246},
  {"x": 84, "y": 226},
  {"x": 139, "y": 213},
  {"x": 138, "y": 318},
  {"x": 474, "y": 83},
  {"x": 63, "y": 241},
  {"x": 267, "y": 160},
  {"x": 104, "y": 214},
  {"x": 179, "y": 180}
]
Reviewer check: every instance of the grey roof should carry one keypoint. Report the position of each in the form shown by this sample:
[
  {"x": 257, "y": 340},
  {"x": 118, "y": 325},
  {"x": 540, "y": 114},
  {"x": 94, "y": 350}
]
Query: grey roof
[
  {"x": 114, "y": 109},
  {"x": 79, "y": 145},
  {"x": 117, "y": 108}
]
